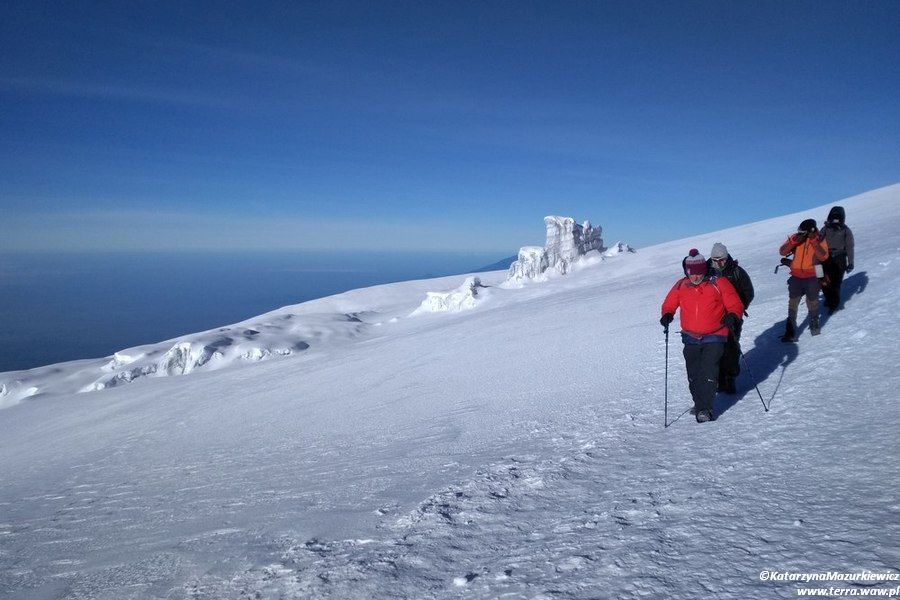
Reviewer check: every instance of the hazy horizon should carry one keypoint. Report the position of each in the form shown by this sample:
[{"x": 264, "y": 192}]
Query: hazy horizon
[{"x": 67, "y": 306}]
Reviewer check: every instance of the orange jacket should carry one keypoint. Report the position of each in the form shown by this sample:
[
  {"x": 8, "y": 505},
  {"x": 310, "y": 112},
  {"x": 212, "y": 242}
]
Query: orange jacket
[
  {"x": 807, "y": 254},
  {"x": 703, "y": 306}
]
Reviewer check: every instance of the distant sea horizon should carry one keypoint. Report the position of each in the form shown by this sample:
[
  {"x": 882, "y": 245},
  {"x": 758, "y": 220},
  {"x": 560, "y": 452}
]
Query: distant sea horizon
[{"x": 57, "y": 307}]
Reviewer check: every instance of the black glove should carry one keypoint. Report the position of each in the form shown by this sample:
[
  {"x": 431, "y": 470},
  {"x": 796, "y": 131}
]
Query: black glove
[
  {"x": 729, "y": 321},
  {"x": 849, "y": 268},
  {"x": 666, "y": 319}
]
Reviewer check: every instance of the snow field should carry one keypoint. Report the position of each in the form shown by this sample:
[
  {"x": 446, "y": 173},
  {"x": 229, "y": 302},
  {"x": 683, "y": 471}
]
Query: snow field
[{"x": 513, "y": 450}]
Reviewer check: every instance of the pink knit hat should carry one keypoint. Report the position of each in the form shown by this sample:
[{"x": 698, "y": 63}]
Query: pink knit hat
[{"x": 694, "y": 263}]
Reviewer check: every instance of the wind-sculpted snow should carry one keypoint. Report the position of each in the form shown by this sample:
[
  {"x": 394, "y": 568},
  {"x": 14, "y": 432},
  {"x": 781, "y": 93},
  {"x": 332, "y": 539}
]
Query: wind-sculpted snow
[
  {"x": 567, "y": 243},
  {"x": 465, "y": 297},
  {"x": 618, "y": 248},
  {"x": 569, "y": 247},
  {"x": 531, "y": 265},
  {"x": 514, "y": 450},
  {"x": 218, "y": 349},
  {"x": 252, "y": 341}
]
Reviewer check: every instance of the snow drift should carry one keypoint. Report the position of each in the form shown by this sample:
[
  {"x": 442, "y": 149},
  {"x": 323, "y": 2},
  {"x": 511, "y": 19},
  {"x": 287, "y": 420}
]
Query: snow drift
[{"x": 277, "y": 334}]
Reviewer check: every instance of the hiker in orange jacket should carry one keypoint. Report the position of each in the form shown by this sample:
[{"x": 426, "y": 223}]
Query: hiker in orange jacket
[
  {"x": 710, "y": 307},
  {"x": 809, "y": 251}
]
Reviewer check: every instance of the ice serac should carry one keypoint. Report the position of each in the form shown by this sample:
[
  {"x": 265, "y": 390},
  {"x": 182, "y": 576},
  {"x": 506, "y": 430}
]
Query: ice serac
[
  {"x": 531, "y": 264},
  {"x": 465, "y": 297},
  {"x": 567, "y": 241}
]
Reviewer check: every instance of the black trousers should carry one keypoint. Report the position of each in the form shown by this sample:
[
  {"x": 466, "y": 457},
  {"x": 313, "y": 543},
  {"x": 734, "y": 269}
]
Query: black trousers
[
  {"x": 702, "y": 361},
  {"x": 730, "y": 365},
  {"x": 834, "y": 268}
]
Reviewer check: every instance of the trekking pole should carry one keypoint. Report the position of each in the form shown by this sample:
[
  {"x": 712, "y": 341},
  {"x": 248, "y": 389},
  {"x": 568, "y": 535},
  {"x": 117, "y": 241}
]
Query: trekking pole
[
  {"x": 666, "y": 405},
  {"x": 750, "y": 373}
]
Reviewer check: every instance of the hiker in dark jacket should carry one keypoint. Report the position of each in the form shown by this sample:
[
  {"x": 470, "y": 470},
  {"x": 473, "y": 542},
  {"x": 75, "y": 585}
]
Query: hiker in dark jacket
[
  {"x": 840, "y": 256},
  {"x": 709, "y": 308},
  {"x": 722, "y": 265}
]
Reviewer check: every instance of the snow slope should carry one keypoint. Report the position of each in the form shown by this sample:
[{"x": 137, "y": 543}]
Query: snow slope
[{"x": 512, "y": 450}]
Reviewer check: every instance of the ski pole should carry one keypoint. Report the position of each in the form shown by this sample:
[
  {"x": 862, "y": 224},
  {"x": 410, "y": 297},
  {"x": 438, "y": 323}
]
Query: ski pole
[
  {"x": 666, "y": 405},
  {"x": 750, "y": 373}
]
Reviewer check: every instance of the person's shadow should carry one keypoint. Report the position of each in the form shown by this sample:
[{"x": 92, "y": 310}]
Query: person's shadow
[
  {"x": 855, "y": 284},
  {"x": 767, "y": 356}
]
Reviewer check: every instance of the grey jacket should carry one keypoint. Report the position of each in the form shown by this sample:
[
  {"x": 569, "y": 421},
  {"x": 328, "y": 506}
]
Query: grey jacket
[{"x": 839, "y": 239}]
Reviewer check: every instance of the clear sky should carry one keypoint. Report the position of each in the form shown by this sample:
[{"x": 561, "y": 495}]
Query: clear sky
[{"x": 431, "y": 125}]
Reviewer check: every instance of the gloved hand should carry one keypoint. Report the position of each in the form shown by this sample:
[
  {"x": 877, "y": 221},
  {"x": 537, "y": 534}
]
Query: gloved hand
[
  {"x": 729, "y": 321},
  {"x": 849, "y": 268},
  {"x": 666, "y": 319}
]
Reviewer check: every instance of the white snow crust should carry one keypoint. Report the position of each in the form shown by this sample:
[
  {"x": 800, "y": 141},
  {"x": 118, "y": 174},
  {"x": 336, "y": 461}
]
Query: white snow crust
[
  {"x": 512, "y": 450},
  {"x": 465, "y": 297}
]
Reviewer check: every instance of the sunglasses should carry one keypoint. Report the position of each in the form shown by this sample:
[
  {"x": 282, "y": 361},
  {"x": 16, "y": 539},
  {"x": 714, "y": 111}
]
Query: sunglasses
[{"x": 720, "y": 260}]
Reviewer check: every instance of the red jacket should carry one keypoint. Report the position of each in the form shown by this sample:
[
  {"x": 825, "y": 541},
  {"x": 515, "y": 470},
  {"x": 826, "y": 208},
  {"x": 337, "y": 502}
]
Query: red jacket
[
  {"x": 807, "y": 255},
  {"x": 703, "y": 306}
]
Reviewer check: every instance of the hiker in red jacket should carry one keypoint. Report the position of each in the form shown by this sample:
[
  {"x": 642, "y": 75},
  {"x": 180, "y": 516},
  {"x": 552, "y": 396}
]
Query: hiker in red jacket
[{"x": 710, "y": 307}]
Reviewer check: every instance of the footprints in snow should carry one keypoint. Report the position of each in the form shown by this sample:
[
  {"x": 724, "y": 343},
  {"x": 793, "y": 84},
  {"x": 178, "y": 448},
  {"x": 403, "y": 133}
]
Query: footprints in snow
[{"x": 502, "y": 532}]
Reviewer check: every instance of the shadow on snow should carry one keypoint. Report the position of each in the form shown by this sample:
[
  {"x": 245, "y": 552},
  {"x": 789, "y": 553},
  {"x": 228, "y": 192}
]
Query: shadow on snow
[
  {"x": 770, "y": 356},
  {"x": 855, "y": 284}
]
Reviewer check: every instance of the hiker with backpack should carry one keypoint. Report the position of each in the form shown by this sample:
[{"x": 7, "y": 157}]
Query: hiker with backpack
[
  {"x": 839, "y": 239},
  {"x": 710, "y": 307},
  {"x": 809, "y": 252},
  {"x": 722, "y": 265}
]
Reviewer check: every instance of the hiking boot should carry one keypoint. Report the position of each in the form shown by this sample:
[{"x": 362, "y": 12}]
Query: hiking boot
[
  {"x": 704, "y": 415},
  {"x": 790, "y": 331},
  {"x": 814, "y": 328}
]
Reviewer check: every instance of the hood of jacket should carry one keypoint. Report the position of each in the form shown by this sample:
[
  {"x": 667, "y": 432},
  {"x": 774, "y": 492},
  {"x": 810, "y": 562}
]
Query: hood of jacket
[{"x": 837, "y": 212}]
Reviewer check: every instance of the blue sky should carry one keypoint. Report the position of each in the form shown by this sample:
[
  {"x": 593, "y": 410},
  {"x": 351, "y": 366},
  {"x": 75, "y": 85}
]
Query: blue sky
[{"x": 434, "y": 126}]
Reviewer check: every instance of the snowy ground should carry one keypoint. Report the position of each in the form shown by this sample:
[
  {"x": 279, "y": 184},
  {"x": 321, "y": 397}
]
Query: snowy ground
[{"x": 512, "y": 450}]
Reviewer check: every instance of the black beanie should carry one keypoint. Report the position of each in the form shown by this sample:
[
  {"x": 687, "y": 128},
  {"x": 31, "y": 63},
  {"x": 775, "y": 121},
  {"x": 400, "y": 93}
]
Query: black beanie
[{"x": 808, "y": 226}]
